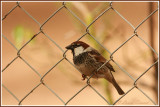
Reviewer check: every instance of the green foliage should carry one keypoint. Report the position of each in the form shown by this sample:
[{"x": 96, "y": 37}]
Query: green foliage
[
  {"x": 21, "y": 35},
  {"x": 107, "y": 90}
]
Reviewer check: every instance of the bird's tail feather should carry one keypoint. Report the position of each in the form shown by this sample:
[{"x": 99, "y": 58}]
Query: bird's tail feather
[{"x": 119, "y": 90}]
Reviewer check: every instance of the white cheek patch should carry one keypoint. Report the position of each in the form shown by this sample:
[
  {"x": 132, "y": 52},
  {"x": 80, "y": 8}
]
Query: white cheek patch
[
  {"x": 78, "y": 50},
  {"x": 88, "y": 49}
]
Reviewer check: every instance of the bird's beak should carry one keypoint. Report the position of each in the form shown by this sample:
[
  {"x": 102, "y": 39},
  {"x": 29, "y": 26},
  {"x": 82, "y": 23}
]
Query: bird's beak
[{"x": 69, "y": 47}]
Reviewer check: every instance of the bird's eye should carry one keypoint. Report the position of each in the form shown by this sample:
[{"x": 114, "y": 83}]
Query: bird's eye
[
  {"x": 73, "y": 44},
  {"x": 77, "y": 45}
]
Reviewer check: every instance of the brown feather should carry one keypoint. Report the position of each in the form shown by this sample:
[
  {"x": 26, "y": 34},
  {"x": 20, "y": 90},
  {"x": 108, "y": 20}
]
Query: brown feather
[{"x": 101, "y": 59}]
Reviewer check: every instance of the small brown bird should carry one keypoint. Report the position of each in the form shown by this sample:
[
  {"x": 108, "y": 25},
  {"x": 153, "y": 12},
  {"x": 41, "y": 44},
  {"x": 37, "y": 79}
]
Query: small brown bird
[{"x": 88, "y": 60}]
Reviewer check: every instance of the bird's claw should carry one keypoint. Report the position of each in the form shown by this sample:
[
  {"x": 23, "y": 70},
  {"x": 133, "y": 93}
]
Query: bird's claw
[{"x": 83, "y": 77}]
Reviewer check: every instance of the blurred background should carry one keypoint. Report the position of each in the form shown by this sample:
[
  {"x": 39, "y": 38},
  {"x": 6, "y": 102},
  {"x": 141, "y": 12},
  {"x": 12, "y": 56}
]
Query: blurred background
[{"x": 135, "y": 57}]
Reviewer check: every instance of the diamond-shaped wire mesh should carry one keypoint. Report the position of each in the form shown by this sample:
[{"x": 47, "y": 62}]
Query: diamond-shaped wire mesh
[{"x": 87, "y": 32}]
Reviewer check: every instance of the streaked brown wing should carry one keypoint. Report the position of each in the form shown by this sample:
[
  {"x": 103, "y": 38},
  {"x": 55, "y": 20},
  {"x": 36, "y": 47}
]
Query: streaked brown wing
[{"x": 101, "y": 59}]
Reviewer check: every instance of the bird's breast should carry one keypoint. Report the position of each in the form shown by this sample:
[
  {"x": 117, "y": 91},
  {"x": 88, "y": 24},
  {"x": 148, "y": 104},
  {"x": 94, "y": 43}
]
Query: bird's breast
[
  {"x": 80, "y": 59},
  {"x": 81, "y": 63},
  {"x": 88, "y": 65}
]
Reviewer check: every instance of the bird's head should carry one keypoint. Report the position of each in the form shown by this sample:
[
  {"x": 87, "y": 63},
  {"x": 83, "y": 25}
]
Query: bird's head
[{"x": 78, "y": 47}]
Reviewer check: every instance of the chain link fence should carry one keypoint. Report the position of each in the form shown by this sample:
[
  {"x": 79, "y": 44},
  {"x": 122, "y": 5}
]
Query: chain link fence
[{"x": 64, "y": 6}]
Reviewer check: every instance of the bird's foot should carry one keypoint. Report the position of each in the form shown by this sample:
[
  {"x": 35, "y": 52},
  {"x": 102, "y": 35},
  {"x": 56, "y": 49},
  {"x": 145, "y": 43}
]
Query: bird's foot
[{"x": 83, "y": 77}]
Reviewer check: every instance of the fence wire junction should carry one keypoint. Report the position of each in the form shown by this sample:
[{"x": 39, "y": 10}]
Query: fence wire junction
[{"x": 64, "y": 6}]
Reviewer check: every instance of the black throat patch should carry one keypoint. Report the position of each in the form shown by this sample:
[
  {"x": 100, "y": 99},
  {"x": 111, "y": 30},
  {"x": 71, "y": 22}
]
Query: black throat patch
[{"x": 80, "y": 58}]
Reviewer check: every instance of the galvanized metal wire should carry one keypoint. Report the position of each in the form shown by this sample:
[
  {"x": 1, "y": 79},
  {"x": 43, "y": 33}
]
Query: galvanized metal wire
[{"x": 41, "y": 82}]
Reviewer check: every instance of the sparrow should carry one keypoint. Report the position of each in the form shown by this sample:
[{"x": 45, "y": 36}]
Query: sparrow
[{"x": 88, "y": 60}]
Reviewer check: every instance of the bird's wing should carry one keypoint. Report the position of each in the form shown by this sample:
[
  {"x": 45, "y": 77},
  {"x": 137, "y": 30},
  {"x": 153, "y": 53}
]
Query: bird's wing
[{"x": 94, "y": 53}]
